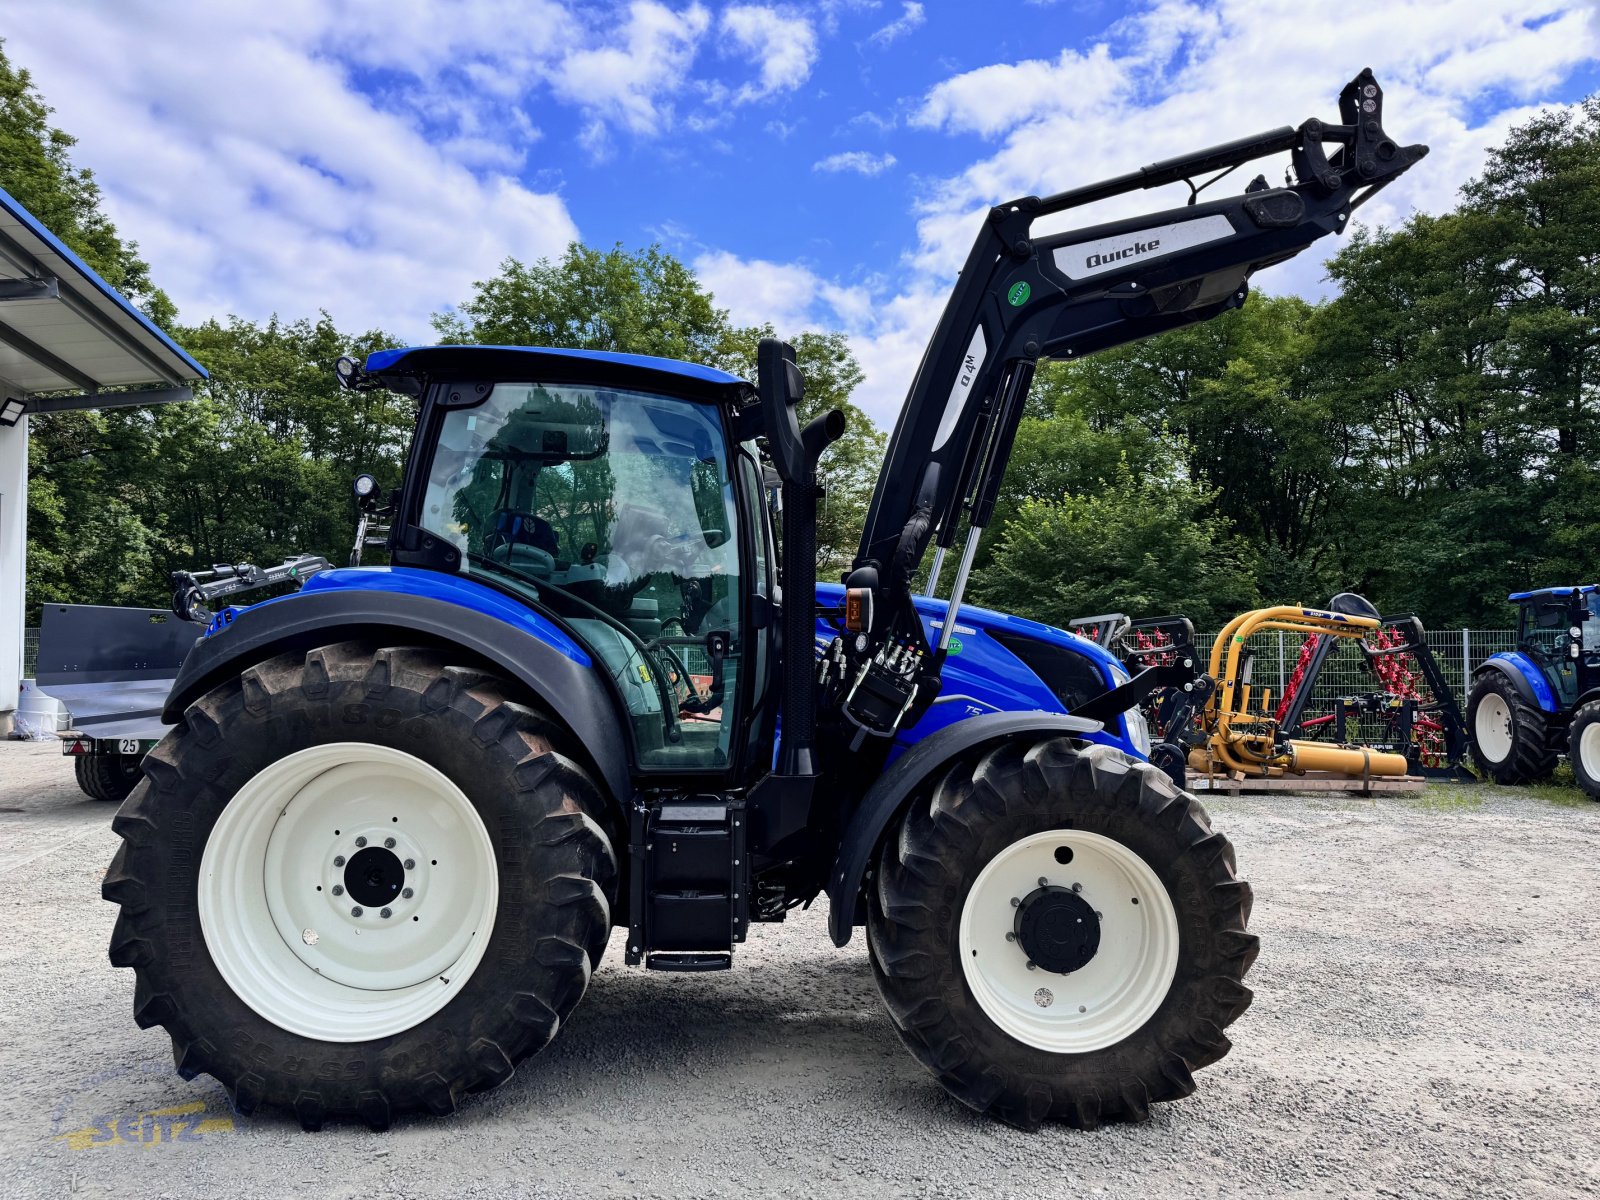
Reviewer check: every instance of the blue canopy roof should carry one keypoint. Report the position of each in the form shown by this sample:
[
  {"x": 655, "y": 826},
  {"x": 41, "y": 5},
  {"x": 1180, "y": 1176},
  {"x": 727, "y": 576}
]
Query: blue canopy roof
[
  {"x": 1581, "y": 589},
  {"x": 63, "y": 327},
  {"x": 421, "y": 359}
]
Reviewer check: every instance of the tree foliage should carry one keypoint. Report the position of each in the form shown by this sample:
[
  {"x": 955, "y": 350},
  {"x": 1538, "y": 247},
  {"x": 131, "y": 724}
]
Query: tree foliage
[{"x": 1138, "y": 542}]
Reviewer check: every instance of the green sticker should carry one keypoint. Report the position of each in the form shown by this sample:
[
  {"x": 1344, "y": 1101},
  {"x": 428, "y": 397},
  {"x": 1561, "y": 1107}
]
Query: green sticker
[
  {"x": 1019, "y": 293},
  {"x": 955, "y": 642}
]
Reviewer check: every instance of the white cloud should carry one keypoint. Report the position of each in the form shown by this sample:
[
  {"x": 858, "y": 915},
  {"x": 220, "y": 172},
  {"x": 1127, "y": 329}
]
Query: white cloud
[
  {"x": 858, "y": 161},
  {"x": 257, "y": 180},
  {"x": 1178, "y": 76},
  {"x": 996, "y": 98},
  {"x": 626, "y": 82},
  {"x": 910, "y": 18},
  {"x": 785, "y": 45}
]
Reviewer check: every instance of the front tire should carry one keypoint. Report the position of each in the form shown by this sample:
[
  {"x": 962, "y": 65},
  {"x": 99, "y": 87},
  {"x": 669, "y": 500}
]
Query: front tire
[
  {"x": 1111, "y": 883},
  {"x": 1510, "y": 737},
  {"x": 1583, "y": 749},
  {"x": 356, "y": 883}
]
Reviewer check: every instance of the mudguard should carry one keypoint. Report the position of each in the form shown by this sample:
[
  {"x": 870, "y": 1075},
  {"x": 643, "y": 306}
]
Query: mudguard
[
  {"x": 902, "y": 777},
  {"x": 546, "y": 662},
  {"x": 1524, "y": 675}
]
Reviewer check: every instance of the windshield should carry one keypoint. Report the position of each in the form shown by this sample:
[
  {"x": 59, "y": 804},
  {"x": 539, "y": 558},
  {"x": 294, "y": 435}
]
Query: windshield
[{"x": 615, "y": 509}]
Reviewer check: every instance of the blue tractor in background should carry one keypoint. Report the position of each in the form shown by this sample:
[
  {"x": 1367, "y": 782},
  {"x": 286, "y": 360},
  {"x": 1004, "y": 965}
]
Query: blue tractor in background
[
  {"x": 401, "y": 811},
  {"x": 1530, "y": 705}
]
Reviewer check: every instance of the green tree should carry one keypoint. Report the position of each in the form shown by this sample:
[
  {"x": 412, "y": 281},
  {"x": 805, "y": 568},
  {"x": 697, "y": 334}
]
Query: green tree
[
  {"x": 1137, "y": 543},
  {"x": 636, "y": 303}
]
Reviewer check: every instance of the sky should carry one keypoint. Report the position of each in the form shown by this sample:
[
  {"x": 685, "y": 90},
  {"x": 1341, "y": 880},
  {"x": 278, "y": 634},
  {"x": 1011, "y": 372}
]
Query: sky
[{"x": 821, "y": 166}]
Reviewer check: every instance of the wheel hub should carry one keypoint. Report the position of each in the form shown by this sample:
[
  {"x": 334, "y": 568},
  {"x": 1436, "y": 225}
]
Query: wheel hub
[
  {"x": 1057, "y": 929},
  {"x": 374, "y": 876}
]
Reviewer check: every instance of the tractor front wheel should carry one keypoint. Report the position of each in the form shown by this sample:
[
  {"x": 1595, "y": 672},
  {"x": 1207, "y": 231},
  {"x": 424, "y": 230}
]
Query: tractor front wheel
[
  {"x": 1584, "y": 748},
  {"x": 1058, "y": 933},
  {"x": 358, "y": 882},
  {"x": 1510, "y": 737}
]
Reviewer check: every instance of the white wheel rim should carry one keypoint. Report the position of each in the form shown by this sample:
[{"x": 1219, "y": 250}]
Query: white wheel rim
[
  {"x": 1112, "y": 995},
  {"x": 1492, "y": 728},
  {"x": 292, "y": 948},
  {"x": 1589, "y": 749}
]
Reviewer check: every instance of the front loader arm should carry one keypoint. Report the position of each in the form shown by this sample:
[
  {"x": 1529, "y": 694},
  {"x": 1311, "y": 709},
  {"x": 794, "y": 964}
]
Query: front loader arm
[{"x": 1020, "y": 299}]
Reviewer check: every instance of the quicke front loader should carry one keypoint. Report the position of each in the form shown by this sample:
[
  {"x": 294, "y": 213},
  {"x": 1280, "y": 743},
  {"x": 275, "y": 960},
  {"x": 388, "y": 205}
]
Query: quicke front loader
[{"x": 401, "y": 811}]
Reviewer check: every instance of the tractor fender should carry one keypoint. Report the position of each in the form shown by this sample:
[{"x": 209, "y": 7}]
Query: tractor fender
[
  {"x": 1524, "y": 675},
  {"x": 550, "y": 665},
  {"x": 890, "y": 791}
]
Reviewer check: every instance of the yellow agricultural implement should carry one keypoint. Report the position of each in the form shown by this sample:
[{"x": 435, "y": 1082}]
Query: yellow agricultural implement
[{"x": 1247, "y": 738}]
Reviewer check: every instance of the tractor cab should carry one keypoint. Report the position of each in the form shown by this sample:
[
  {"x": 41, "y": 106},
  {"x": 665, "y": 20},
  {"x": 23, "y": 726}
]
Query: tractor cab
[
  {"x": 612, "y": 493},
  {"x": 1559, "y": 630}
]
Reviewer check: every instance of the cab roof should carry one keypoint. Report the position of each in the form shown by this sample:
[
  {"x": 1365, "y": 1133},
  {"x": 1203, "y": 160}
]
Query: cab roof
[
  {"x": 549, "y": 364},
  {"x": 1577, "y": 589}
]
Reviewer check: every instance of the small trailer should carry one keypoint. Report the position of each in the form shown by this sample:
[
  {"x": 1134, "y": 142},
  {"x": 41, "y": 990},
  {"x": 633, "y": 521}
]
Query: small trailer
[{"x": 110, "y": 669}]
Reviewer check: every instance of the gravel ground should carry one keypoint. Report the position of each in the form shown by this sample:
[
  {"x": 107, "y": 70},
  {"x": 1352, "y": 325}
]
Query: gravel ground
[{"x": 1425, "y": 1024}]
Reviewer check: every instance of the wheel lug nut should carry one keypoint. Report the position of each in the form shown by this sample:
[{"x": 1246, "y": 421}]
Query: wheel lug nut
[
  {"x": 337, "y": 890},
  {"x": 361, "y": 841},
  {"x": 1032, "y": 966},
  {"x": 407, "y": 894},
  {"x": 388, "y": 843},
  {"x": 1015, "y": 903},
  {"x": 1011, "y": 937},
  {"x": 338, "y": 860},
  {"x": 387, "y": 913},
  {"x": 411, "y": 864},
  {"x": 1077, "y": 887},
  {"x": 356, "y": 911},
  {"x": 1043, "y": 882}
]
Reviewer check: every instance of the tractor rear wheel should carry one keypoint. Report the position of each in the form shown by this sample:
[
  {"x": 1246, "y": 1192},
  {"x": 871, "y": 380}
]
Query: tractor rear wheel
[
  {"x": 1584, "y": 748},
  {"x": 1058, "y": 933},
  {"x": 358, "y": 882},
  {"x": 107, "y": 776},
  {"x": 1510, "y": 737}
]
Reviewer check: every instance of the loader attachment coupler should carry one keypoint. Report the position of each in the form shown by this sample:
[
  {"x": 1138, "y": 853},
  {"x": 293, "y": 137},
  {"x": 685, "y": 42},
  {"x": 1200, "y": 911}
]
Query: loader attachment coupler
[{"x": 1021, "y": 299}]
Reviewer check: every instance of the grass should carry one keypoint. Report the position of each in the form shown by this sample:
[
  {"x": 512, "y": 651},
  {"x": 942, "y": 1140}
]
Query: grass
[
  {"x": 1445, "y": 797},
  {"x": 1561, "y": 789}
]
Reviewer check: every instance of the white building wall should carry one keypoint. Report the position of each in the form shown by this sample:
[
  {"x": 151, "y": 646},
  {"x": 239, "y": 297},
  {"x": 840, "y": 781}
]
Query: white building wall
[{"x": 13, "y": 556}]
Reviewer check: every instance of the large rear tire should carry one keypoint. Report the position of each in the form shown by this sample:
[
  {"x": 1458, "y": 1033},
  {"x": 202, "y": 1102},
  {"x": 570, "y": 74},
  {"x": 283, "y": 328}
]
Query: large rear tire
[
  {"x": 1510, "y": 737},
  {"x": 1058, "y": 933},
  {"x": 356, "y": 883},
  {"x": 107, "y": 776},
  {"x": 1584, "y": 748}
]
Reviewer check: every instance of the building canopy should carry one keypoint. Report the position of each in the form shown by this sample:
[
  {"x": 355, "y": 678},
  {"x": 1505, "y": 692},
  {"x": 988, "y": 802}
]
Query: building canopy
[{"x": 64, "y": 329}]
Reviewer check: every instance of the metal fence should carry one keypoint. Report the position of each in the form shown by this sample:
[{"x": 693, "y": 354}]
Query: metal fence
[
  {"x": 1344, "y": 673},
  {"x": 30, "y": 652}
]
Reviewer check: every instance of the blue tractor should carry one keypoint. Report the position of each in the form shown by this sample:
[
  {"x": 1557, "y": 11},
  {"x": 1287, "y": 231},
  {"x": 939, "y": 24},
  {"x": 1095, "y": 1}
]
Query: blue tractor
[
  {"x": 401, "y": 811},
  {"x": 1531, "y": 704}
]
